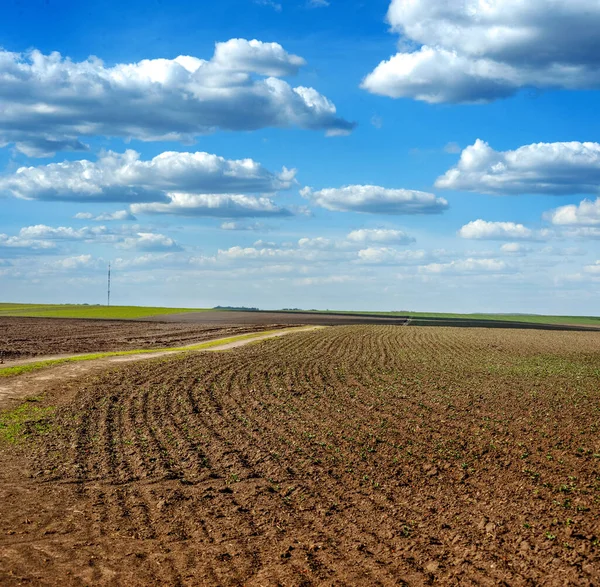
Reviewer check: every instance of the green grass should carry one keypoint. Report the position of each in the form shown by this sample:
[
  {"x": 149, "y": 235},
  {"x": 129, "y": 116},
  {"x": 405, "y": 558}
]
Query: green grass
[
  {"x": 528, "y": 318},
  {"x": 17, "y": 424},
  {"x": 38, "y": 365},
  {"x": 83, "y": 311},
  {"x": 549, "y": 365}
]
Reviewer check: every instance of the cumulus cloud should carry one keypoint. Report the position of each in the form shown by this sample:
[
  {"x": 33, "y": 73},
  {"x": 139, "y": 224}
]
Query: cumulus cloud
[
  {"x": 269, "y": 59},
  {"x": 276, "y": 6},
  {"x": 582, "y": 232},
  {"x": 50, "y": 102},
  {"x": 515, "y": 249},
  {"x": 148, "y": 260},
  {"x": 75, "y": 263},
  {"x": 120, "y": 215},
  {"x": 376, "y": 200},
  {"x": 472, "y": 51},
  {"x": 467, "y": 266},
  {"x": 244, "y": 226},
  {"x": 214, "y": 205},
  {"x": 541, "y": 168},
  {"x": 67, "y": 233},
  {"x": 20, "y": 244},
  {"x": 270, "y": 254},
  {"x": 390, "y": 256},
  {"x": 452, "y": 148},
  {"x": 123, "y": 238},
  {"x": 126, "y": 178},
  {"x": 587, "y": 213},
  {"x": 483, "y": 230},
  {"x": 594, "y": 269},
  {"x": 563, "y": 252},
  {"x": 150, "y": 242},
  {"x": 380, "y": 235}
]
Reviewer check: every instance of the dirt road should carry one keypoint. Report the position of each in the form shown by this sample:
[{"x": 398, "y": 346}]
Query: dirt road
[{"x": 15, "y": 389}]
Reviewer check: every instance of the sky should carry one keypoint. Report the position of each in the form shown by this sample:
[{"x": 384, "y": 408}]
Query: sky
[{"x": 382, "y": 155}]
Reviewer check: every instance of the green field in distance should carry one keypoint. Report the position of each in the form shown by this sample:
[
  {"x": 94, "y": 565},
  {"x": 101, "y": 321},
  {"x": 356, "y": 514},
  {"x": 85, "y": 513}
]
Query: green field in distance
[
  {"x": 136, "y": 312},
  {"x": 84, "y": 311},
  {"x": 528, "y": 318}
]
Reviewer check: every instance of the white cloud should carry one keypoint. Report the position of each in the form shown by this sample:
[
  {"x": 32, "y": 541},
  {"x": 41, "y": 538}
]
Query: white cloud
[
  {"x": 269, "y": 254},
  {"x": 377, "y": 121},
  {"x": 594, "y": 269},
  {"x": 41, "y": 231},
  {"x": 319, "y": 243},
  {"x": 390, "y": 256},
  {"x": 119, "y": 215},
  {"x": 318, "y": 3},
  {"x": 75, "y": 263},
  {"x": 149, "y": 260},
  {"x": 327, "y": 280},
  {"x": 541, "y": 168},
  {"x": 276, "y": 6},
  {"x": 380, "y": 235},
  {"x": 126, "y": 178},
  {"x": 147, "y": 241},
  {"x": 244, "y": 226},
  {"x": 475, "y": 51},
  {"x": 452, "y": 148},
  {"x": 587, "y": 213},
  {"x": 214, "y": 205},
  {"x": 582, "y": 232},
  {"x": 269, "y": 59},
  {"x": 515, "y": 249},
  {"x": 376, "y": 200},
  {"x": 467, "y": 266},
  {"x": 483, "y": 230},
  {"x": 20, "y": 244},
  {"x": 563, "y": 252},
  {"x": 50, "y": 101}
]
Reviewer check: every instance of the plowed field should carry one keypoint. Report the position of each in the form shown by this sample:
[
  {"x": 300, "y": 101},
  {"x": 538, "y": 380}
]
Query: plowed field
[
  {"x": 363, "y": 455},
  {"x": 30, "y": 337}
]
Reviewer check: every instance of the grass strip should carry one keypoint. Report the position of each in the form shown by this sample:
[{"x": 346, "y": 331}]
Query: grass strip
[
  {"x": 29, "y": 367},
  {"x": 26, "y": 419}
]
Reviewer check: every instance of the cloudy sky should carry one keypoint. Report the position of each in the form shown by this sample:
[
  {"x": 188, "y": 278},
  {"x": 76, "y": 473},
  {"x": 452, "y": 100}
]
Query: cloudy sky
[{"x": 403, "y": 155}]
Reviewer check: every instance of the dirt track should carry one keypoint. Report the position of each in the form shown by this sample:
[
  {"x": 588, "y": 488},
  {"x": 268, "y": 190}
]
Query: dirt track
[
  {"x": 348, "y": 456},
  {"x": 14, "y": 389}
]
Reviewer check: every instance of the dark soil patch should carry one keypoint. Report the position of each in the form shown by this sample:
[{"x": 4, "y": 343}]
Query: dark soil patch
[
  {"x": 240, "y": 317},
  {"x": 31, "y": 337}
]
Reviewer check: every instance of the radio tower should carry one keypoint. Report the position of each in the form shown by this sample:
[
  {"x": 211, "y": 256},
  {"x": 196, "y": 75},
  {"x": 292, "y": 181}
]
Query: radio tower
[{"x": 109, "y": 284}]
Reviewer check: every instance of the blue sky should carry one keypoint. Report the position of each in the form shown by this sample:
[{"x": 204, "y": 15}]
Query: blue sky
[{"x": 351, "y": 155}]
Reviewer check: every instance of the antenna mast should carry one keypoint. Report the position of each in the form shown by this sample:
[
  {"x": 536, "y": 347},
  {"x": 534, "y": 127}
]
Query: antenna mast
[{"x": 109, "y": 284}]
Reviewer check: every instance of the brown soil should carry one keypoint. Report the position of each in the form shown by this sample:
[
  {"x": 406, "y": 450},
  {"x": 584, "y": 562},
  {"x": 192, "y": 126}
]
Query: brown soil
[
  {"x": 13, "y": 390},
  {"x": 240, "y": 317},
  {"x": 347, "y": 456},
  {"x": 314, "y": 318},
  {"x": 31, "y": 337}
]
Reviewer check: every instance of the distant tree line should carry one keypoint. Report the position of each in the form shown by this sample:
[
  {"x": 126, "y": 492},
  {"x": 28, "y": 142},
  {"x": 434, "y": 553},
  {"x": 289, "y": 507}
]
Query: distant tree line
[{"x": 237, "y": 308}]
